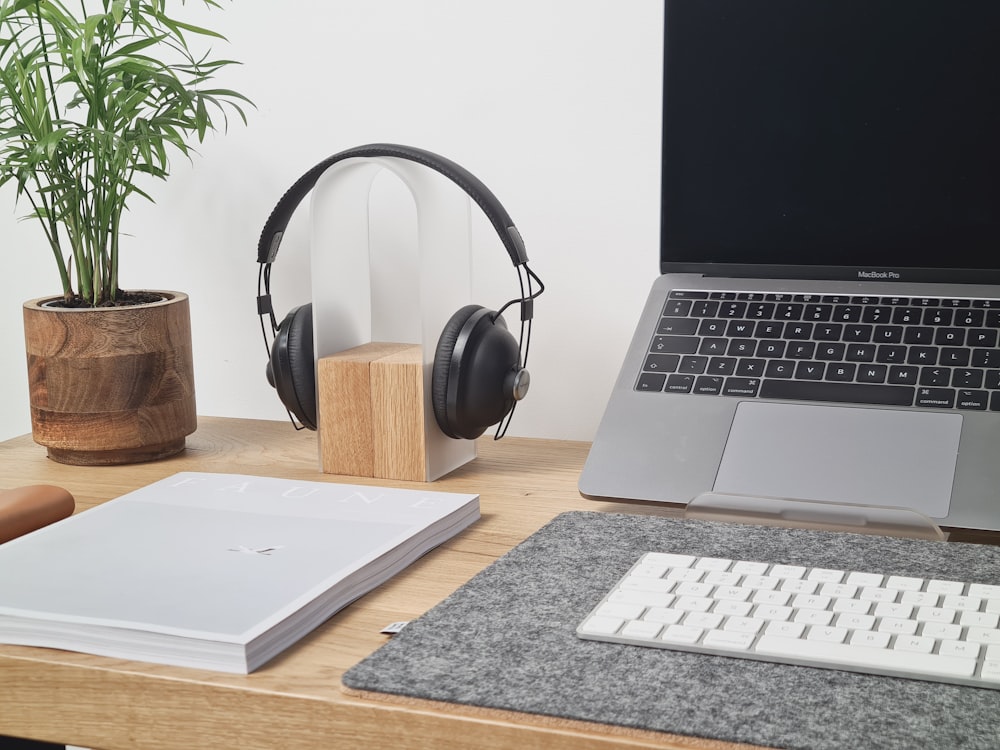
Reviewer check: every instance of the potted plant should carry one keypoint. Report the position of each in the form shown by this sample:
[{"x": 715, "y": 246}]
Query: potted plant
[{"x": 93, "y": 100}]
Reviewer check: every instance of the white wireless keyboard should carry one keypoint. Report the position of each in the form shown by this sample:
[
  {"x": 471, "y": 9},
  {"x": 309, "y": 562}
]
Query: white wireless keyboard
[{"x": 916, "y": 628}]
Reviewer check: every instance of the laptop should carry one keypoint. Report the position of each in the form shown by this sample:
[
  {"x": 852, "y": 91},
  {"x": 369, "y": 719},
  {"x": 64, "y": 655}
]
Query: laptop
[{"x": 824, "y": 325}]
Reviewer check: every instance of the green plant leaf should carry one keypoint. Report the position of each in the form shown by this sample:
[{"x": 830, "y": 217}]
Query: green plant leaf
[{"x": 92, "y": 106}]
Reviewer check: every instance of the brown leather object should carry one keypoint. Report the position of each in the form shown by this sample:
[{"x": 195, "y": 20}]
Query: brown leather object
[{"x": 25, "y": 509}]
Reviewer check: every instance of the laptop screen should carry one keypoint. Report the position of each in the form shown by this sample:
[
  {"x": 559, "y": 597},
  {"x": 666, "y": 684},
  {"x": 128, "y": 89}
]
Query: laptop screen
[{"x": 857, "y": 138}]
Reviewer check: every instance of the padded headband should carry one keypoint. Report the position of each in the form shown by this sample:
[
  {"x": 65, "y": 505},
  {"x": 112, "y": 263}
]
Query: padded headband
[{"x": 274, "y": 228}]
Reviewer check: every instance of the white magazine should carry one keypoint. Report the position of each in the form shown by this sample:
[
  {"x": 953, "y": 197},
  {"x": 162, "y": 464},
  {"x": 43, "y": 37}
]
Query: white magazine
[{"x": 219, "y": 571}]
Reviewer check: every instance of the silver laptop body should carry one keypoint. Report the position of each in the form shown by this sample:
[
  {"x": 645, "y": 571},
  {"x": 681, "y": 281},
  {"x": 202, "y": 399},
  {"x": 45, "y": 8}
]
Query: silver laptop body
[{"x": 821, "y": 159}]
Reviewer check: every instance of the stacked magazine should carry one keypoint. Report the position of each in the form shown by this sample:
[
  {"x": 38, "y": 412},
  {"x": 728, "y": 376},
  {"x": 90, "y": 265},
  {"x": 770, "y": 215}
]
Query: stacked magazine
[{"x": 218, "y": 571}]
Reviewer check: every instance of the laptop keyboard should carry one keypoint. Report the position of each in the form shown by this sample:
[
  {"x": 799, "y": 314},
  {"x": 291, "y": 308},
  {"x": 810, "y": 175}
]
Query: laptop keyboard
[{"x": 932, "y": 352}]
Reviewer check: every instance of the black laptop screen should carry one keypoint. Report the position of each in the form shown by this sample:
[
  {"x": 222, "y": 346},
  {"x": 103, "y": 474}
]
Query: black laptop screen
[{"x": 835, "y": 134}]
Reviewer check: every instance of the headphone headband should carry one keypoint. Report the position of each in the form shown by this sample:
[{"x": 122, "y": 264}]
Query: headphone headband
[
  {"x": 477, "y": 377},
  {"x": 274, "y": 228}
]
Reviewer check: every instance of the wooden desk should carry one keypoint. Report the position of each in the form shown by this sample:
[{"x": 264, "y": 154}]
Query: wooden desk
[{"x": 296, "y": 700}]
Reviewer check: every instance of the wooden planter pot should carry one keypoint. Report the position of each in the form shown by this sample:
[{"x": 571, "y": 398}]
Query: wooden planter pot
[{"x": 111, "y": 385}]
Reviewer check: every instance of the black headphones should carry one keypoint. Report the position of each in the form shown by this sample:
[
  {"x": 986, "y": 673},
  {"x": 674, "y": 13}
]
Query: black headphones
[{"x": 478, "y": 373}]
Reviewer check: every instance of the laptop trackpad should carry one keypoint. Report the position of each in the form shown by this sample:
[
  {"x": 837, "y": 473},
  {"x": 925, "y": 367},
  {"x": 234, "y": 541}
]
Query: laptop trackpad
[{"x": 843, "y": 455}]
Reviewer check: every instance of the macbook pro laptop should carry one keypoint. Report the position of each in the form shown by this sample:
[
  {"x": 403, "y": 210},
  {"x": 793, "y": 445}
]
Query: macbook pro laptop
[{"x": 825, "y": 325}]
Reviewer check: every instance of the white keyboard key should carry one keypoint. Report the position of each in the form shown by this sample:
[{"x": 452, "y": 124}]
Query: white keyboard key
[
  {"x": 771, "y": 612},
  {"x": 649, "y": 598},
  {"x": 813, "y": 616},
  {"x": 778, "y": 598},
  {"x": 728, "y": 640},
  {"x": 979, "y": 619},
  {"x": 991, "y": 670},
  {"x": 846, "y": 654},
  {"x": 744, "y": 625},
  {"x": 661, "y": 585},
  {"x": 865, "y": 579},
  {"x": 855, "y": 622},
  {"x": 955, "y": 601},
  {"x": 689, "y": 575},
  {"x": 935, "y": 614},
  {"x": 670, "y": 559},
  {"x": 877, "y": 594},
  {"x": 852, "y": 606},
  {"x": 763, "y": 583},
  {"x": 786, "y": 629},
  {"x": 722, "y": 578},
  {"x": 870, "y": 639},
  {"x": 917, "y": 644},
  {"x": 904, "y": 583},
  {"x": 936, "y": 586},
  {"x": 960, "y": 648},
  {"x": 624, "y": 610},
  {"x": 693, "y": 589},
  {"x": 919, "y": 598},
  {"x": 825, "y": 575},
  {"x": 694, "y": 603},
  {"x": 897, "y": 626},
  {"x": 811, "y": 601},
  {"x": 984, "y": 590},
  {"x": 648, "y": 570},
  {"x": 733, "y": 593},
  {"x": 888, "y": 609},
  {"x": 989, "y": 636},
  {"x": 799, "y": 586},
  {"x": 941, "y": 631},
  {"x": 839, "y": 590},
  {"x": 681, "y": 634},
  {"x": 599, "y": 625},
  {"x": 703, "y": 620},
  {"x": 828, "y": 634},
  {"x": 758, "y": 569},
  {"x": 713, "y": 563},
  {"x": 641, "y": 629},
  {"x": 787, "y": 571},
  {"x": 731, "y": 608},
  {"x": 664, "y": 615}
]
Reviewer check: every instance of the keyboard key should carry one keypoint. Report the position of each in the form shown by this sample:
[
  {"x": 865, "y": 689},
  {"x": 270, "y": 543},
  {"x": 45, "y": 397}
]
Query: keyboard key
[
  {"x": 649, "y": 381},
  {"x": 641, "y": 629},
  {"x": 857, "y": 393},
  {"x": 741, "y": 348},
  {"x": 661, "y": 363},
  {"x": 746, "y": 387},
  {"x": 674, "y": 345},
  {"x": 972, "y": 400},
  {"x": 687, "y": 294},
  {"x": 677, "y": 326},
  {"x": 678, "y": 383},
  {"x": 704, "y": 309},
  {"x": 729, "y": 641},
  {"x": 681, "y": 634},
  {"x": 860, "y": 656},
  {"x": 677, "y": 307},
  {"x": 938, "y": 398}
]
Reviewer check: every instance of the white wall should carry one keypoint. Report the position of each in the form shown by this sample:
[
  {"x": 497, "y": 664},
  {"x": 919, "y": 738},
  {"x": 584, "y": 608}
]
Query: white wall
[{"x": 554, "y": 104}]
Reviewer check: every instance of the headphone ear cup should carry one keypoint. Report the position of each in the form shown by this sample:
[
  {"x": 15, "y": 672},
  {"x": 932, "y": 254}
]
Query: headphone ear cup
[
  {"x": 292, "y": 367},
  {"x": 475, "y": 359}
]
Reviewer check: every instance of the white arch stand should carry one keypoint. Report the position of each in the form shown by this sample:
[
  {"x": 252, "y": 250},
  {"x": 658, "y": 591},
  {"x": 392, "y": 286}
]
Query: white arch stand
[{"x": 375, "y": 348}]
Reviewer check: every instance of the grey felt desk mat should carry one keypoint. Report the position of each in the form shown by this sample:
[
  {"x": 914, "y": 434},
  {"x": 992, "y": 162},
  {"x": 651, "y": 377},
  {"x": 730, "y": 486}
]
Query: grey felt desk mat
[{"x": 506, "y": 640}]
